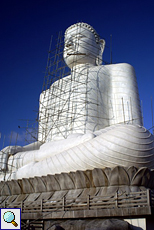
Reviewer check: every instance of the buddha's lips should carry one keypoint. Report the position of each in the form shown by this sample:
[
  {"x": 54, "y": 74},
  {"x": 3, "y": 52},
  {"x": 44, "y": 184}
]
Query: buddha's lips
[{"x": 76, "y": 54}]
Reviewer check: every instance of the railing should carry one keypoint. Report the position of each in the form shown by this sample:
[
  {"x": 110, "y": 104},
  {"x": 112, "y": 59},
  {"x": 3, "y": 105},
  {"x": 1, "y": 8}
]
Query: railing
[
  {"x": 133, "y": 199},
  {"x": 151, "y": 198}
]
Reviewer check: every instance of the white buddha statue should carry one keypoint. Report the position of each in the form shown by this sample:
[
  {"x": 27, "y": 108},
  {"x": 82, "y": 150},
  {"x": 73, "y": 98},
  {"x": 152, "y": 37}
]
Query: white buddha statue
[
  {"x": 89, "y": 119},
  {"x": 93, "y": 96}
]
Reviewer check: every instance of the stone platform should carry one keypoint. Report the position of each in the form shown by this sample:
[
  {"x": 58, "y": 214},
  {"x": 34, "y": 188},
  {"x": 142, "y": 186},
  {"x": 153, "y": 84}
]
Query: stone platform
[{"x": 99, "y": 193}]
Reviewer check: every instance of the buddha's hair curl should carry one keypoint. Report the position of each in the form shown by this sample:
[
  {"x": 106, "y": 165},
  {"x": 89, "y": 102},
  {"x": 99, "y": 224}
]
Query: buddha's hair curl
[{"x": 86, "y": 26}]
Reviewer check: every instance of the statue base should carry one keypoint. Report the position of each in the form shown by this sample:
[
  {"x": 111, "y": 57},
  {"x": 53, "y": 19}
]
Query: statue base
[{"x": 118, "y": 192}]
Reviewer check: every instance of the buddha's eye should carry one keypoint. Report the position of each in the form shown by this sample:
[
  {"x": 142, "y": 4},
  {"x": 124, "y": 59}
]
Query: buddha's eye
[{"x": 78, "y": 36}]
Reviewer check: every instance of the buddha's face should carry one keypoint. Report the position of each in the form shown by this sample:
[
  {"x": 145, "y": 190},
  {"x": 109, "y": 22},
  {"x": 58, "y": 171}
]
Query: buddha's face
[{"x": 80, "y": 47}]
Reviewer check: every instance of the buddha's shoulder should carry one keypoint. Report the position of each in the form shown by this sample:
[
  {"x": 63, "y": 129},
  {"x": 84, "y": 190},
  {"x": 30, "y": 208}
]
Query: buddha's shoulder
[{"x": 113, "y": 67}]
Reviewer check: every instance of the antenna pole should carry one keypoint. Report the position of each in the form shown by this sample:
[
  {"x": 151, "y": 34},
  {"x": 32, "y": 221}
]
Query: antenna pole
[
  {"x": 142, "y": 112},
  {"x": 152, "y": 114},
  {"x": 110, "y": 48}
]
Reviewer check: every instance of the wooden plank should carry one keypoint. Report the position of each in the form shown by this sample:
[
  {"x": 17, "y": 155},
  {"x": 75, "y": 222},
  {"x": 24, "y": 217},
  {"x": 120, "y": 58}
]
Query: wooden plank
[
  {"x": 132, "y": 201},
  {"x": 102, "y": 207},
  {"x": 116, "y": 199},
  {"x": 88, "y": 202},
  {"x": 102, "y": 203},
  {"x": 134, "y": 205}
]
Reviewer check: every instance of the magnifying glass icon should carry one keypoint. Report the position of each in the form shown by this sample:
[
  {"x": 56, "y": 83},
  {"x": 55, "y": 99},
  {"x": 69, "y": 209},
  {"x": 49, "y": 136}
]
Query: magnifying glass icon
[{"x": 9, "y": 217}]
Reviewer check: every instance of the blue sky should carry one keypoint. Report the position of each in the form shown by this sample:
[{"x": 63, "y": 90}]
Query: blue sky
[{"x": 26, "y": 29}]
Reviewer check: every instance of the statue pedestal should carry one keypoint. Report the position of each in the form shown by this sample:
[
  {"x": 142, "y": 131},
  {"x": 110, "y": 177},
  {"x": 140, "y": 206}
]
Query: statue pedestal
[{"x": 118, "y": 192}]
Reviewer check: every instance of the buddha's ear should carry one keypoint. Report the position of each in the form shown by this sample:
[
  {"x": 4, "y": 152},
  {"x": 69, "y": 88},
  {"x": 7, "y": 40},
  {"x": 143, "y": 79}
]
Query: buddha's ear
[
  {"x": 102, "y": 44},
  {"x": 99, "y": 57}
]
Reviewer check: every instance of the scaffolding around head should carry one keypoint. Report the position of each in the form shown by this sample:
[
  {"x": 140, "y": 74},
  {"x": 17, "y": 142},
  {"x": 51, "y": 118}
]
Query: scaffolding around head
[{"x": 57, "y": 110}]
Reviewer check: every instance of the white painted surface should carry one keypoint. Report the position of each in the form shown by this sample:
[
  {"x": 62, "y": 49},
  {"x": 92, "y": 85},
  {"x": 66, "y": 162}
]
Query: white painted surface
[
  {"x": 91, "y": 98},
  {"x": 89, "y": 119},
  {"x": 138, "y": 222},
  {"x": 124, "y": 145}
]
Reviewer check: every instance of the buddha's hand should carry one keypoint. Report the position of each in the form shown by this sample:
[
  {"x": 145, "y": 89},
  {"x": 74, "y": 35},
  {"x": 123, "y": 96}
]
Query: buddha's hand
[{"x": 5, "y": 153}]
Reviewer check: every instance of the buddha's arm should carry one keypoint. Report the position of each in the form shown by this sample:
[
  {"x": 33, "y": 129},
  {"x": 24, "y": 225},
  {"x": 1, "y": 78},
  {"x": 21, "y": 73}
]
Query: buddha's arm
[
  {"x": 125, "y": 97},
  {"x": 33, "y": 146},
  {"x": 47, "y": 150},
  {"x": 12, "y": 150}
]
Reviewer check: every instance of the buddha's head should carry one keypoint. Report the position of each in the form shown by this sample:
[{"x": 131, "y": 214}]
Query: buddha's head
[{"x": 82, "y": 45}]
